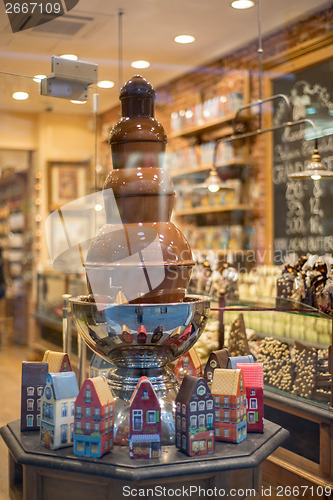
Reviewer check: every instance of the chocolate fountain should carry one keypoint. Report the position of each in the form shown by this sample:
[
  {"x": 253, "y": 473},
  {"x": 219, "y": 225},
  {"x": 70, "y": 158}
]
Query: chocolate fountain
[{"x": 137, "y": 315}]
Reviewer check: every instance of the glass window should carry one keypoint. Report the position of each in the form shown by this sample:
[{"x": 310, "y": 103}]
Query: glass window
[
  {"x": 178, "y": 422},
  {"x": 226, "y": 400},
  {"x": 151, "y": 418},
  {"x": 178, "y": 407},
  {"x": 209, "y": 419},
  {"x": 183, "y": 409},
  {"x": 64, "y": 409},
  {"x": 253, "y": 404},
  {"x": 78, "y": 411},
  {"x": 201, "y": 405},
  {"x": 252, "y": 392},
  {"x": 38, "y": 420},
  {"x": 217, "y": 415},
  {"x": 193, "y": 406},
  {"x": 78, "y": 425},
  {"x": 72, "y": 432},
  {"x": 193, "y": 422},
  {"x": 30, "y": 420},
  {"x": 184, "y": 424},
  {"x": 201, "y": 420},
  {"x": 145, "y": 394},
  {"x": 30, "y": 404},
  {"x": 87, "y": 411},
  {"x": 97, "y": 412},
  {"x": 87, "y": 426},
  {"x": 38, "y": 404},
  {"x": 217, "y": 401},
  {"x": 87, "y": 398},
  {"x": 72, "y": 408},
  {"x": 226, "y": 416},
  {"x": 64, "y": 432},
  {"x": 137, "y": 420},
  {"x": 40, "y": 390},
  {"x": 209, "y": 404},
  {"x": 96, "y": 427},
  {"x": 178, "y": 439},
  {"x": 30, "y": 391},
  {"x": 184, "y": 442},
  {"x": 226, "y": 432}
]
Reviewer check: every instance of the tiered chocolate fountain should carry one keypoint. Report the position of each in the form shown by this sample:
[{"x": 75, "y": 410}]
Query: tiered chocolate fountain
[{"x": 137, "y": 315}]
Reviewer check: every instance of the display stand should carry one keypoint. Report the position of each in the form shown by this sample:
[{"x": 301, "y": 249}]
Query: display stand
[{"x": 36, "y": 473}]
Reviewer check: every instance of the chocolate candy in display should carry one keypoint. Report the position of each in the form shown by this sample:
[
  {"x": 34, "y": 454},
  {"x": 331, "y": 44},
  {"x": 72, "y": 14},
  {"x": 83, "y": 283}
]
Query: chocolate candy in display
[
  {"x": 306, "y": 370},
  {"x": 325, "y": 296},
  {"x": 146, "y": 256},
  {"x": 277, "y": 364},
  {"x": 285, "y": 286}
]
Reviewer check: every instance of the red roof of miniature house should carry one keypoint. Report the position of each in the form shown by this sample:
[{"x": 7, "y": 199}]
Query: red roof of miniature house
[
  {"x": 101, "y": 387},
  {"x": 253, "y": 374},
  {"x": 142, "y": 382}
]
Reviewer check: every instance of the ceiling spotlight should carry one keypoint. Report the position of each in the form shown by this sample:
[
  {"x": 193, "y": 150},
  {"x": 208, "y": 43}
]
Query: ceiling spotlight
[
  {"x": 78, "y": 102},
  {"x": 71, "y": 57},
  {"x": 140, "y": 64},
  {"x": 242, "y": 4},
  {"x": 20, "y": 96},
  {"x": 38, "y": 78},
  {"x": 184, "y": 39},
  {"x": 315, "y": 170},
  {"x": 105, "y": 84}
]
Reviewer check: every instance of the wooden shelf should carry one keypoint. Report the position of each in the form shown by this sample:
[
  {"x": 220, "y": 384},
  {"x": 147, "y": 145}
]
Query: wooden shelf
[
  {"x": 208, "y": 126},
  {"x": 213, "y": 209},
  {"x": 205, "y": 168}
]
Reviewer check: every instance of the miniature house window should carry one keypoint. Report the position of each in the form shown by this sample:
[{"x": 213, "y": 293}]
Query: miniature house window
[
  {"x": 213, "y": 363},
  {"x": 217, "y": 431},
  {"x": 30, "y": 420},
  {"x": 183, "y": 409},
  {"x": 106, "y": 425},
  {"x": 106, "y": 410},
  {"x": 96, "y": 427},
  {"x": 210, "y": 419},
  {"x": 252, "y": 392},
  {"x": 241, "y": 384},
  {"x": 178, "y": 439},
  {"x": 237, "y": 413},
  {"x": 209, "y": 404},
  {"x": 79, "y": 446},
  {"x": 87, "y": 398},
  {"x": 38, "y": 420},
  {"x": 38, "y": 404},
  {"x": 78, "y": 412},
  {"x": 94, "y": 449},
  {"x": 251, "y": 416},
  {"x": 201, "y": 391},
  {"x": 78, "y": 425},
  {"x": 209, "y": 376},
  {"x": 226, "y": 433},
  {"x": 72, "y": 432},
  {"x": 189, "y": 371},
  {"x": 217, "y": 415},
  {"x": 105, "y": 444},
  {"x": 64, "y": 432},
  {"x": 111, "y": 410},
  {"x": 87, "y": 426},
  {"x": 30, "y": 391},
  {"x": 48, "y": 393},
  {"x": 151, "y": 417},
  {"x": 184, "y": 424},
  {"x": 186, "y": 363},
  {"x": 201, "y": 405},
  {"x": 137, "y": 420},
  {"x": 217, "y": 401},
  {"x": 238, "y": 400},
  {"x": 64, "y": 409},
  {"x": 48, "y": 411},
  {"x": 178, "y": 422},
  {"x": 178, "y": 407},
  {"x": 40, "y": 391},
  {"x": 97, "y": 412},
  {"x": 184, "y": 442},
  {"x": 145, "y": 394},
  {"x": 72, "y": 408},
  {"x": 195, "y": 446},
  {"x": 226, "y": 416},
  {"x": 193, "y": 422},
  {"x": 87, "y": 411},
  {"x": 201, "y": 420},
  {"x": 65, "y": 366},
  {"x": 253, "y": 404},
  {"x": 202, "y": 445},
  {"x": 30, "y": 404},
  {"x": 193, "y": 406},
  {"x": 225, "y": 400}
]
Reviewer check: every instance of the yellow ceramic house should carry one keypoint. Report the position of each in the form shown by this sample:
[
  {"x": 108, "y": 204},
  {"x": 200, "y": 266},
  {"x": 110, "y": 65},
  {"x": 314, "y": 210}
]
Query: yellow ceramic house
[{"x": 229, "y": 395}]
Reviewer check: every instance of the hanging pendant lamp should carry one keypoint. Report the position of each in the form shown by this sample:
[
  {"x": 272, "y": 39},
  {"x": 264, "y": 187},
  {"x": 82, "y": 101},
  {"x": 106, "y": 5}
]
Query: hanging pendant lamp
[{"x": 315, "y": 170}]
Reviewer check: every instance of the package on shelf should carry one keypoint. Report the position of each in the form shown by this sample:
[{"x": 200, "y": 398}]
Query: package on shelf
[
  {"x": 235, "y": 100},
  {"x": 16, "y": 240},
  {"x": 236, "y": 240},
  {"x": 16, "y": 221},
  {"x": 211, "y": 108},
  {"x": 207, "y": 153},
  {"x": 225, "y": 153},
  {"x": 224, "y": 237}
]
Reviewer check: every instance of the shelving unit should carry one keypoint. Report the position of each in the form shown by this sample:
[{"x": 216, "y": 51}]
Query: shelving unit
[
  {"x": 16, "y": 239},
  {"x": 213, "y": 209}
]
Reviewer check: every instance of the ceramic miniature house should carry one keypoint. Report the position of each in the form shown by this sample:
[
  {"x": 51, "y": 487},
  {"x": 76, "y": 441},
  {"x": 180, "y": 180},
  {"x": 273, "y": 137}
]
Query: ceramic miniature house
[
  {"x": 188, "y": 364},
  {"x": 99, "y": 366},
  {"x": 229, "y": 395},
  {"x": 195, "y": 417},
  {"x": 58, "y": 361},
  {"x": 145, "y": 422},
  {"x": 217, "y": 359},
  {"x": 33, "y": 382},
  {"x": 234, "y": 360},
  {"x": 254, "y": 386},
  {"x": 94, "y": 418},
  {"x": 57, "y": 405}
]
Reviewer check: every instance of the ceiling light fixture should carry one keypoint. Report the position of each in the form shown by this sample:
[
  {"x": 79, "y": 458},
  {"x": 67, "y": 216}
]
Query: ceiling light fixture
[
  {"x": 184, "y": 39},
  {"x": 242, "y": 4},
  {"x": 105, "y": 84},
  {"x": 38, "y": 78},
  {"x": 315, "y": 170},
  {"x": 20, "y": 96},
  {"x": 71, "y": 57},
  {"x": 140, "y": 64}
]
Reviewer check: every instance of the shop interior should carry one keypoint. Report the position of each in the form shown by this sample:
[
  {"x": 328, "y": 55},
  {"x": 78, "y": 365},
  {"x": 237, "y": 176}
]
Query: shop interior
[{"x": 245, "y": 105}]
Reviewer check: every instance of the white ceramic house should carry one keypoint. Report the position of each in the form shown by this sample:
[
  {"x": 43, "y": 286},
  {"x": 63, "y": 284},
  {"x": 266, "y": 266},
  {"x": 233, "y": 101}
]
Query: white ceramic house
[{"x": 57, "y": 410}]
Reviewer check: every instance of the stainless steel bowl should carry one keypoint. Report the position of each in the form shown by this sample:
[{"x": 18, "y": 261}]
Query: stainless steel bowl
[{"x": 140, "y": 340}]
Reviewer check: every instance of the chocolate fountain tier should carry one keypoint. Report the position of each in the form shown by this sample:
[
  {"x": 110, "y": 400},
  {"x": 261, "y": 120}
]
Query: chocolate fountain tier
[
  {"x": 148, "y": 262},
  {"x": 141, "y": 195}
]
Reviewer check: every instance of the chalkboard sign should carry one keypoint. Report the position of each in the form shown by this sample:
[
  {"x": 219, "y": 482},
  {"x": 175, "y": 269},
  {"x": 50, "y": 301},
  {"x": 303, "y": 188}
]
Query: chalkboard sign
[{"x": 303, "y": 209}]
